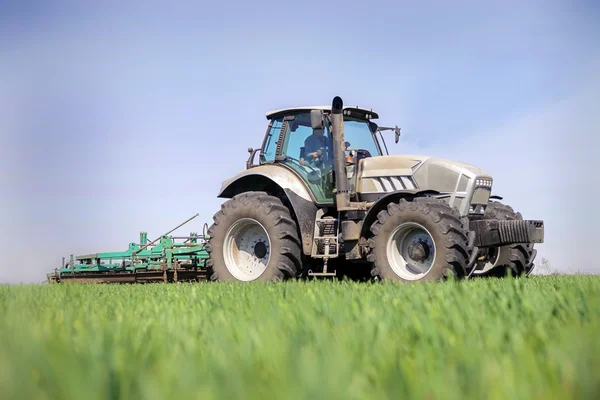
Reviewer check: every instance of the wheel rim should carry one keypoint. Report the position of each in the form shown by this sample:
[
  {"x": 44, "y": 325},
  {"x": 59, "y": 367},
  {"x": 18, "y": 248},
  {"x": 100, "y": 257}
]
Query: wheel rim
[
  {"x": 496, "y": 257},
  {"x": 247, "y": 249},
  {"x": 411, "y": 251},
  {"x": 529, "y": 270}
]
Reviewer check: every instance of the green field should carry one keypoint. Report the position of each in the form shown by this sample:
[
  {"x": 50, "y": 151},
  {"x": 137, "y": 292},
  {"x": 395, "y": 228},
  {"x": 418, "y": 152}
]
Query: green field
[{"x": 535, "y": 338}]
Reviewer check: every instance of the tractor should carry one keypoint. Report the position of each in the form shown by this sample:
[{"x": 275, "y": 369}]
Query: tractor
[{"x": 326, "y": 199}]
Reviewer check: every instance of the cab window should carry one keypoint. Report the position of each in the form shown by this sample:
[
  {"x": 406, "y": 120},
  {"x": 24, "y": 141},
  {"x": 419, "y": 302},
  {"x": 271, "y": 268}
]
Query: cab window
[{"x": 270, "y": 146}]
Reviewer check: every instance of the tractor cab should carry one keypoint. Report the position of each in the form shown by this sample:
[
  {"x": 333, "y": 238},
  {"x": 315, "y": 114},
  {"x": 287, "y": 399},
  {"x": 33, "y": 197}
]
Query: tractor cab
[{"x": 300, "y": 139}]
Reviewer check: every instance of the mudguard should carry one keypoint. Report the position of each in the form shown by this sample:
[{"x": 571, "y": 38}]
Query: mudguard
[
  {"x": 273, "y": 179},
  {"x": 384, "y": 201},
  {"x": 283, "y": 177}
]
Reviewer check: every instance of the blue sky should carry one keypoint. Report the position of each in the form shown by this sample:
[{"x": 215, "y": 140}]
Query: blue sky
[{"x": 117, "y": 118}]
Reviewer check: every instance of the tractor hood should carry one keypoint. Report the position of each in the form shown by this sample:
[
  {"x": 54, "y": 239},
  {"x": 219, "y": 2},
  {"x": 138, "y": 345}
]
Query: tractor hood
[{"x": 377, "y": 176}]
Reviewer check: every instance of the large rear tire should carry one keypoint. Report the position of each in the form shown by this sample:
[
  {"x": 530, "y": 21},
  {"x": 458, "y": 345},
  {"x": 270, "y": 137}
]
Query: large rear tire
[
  {"x": 512, "y": 260},
  {"x": 419, "y": 240},
  {"x": 253, "y": 238}
]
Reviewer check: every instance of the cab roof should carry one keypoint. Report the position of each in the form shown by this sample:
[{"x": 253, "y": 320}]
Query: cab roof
[{"x": 354, "y": 110}]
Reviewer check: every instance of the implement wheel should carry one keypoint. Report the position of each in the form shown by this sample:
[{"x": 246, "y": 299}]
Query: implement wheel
[
  {"x": 253, "y": 238},
  {"x": 419, "y": 240},
  {"x": 512, "y": 260}
]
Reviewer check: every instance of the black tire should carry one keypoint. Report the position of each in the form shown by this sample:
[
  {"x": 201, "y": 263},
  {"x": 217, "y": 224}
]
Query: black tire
[
  {"x": 445, "y": 228},
  {"x": 276, "y": 220},
  {"x": 512, "y": 260}
]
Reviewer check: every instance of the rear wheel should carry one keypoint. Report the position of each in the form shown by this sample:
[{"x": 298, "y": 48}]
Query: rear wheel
[
  {"x": 419, "y": 240},
  {"x": 512, "y": 260},
  {"x": 253, "y": 238}
]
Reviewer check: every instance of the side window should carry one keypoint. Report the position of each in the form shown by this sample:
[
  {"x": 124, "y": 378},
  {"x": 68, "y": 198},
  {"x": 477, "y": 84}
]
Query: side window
[
  {"x": 302, "y": 143},
  {"x": 270, "y": 146}
]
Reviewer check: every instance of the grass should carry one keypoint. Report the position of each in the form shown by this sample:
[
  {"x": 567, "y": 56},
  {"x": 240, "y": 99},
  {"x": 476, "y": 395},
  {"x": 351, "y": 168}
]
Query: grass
[{"x": 483, "y": 339}]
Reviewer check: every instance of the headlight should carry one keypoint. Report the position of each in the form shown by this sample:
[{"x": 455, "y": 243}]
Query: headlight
[{"x": 483, "y": 182}]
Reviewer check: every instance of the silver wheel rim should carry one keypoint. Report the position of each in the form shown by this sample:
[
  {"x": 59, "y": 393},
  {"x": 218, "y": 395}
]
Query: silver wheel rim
[
  {"x": 411, "y": 251},
  {"x": 247, "y": 249},
  {"x": 496, "y": 256}
]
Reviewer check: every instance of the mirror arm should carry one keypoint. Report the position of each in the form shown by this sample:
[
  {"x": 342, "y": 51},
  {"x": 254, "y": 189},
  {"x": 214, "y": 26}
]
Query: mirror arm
[{"x": 250, "y": 162}]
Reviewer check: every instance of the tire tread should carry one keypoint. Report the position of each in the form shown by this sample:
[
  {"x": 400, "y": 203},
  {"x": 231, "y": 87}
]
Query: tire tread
[
  {"x": 452, "y": 229},
  {"x": 286, "y": 231}
]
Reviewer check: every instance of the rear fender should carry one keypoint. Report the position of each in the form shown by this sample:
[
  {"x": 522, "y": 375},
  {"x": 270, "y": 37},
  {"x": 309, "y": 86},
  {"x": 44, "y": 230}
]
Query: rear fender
[
  {"x": 280, "y": 182},
  {"x": 250, "y": 178}
]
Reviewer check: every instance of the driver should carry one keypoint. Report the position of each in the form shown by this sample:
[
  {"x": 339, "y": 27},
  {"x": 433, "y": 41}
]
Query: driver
[{"x": 314, "y": 145}]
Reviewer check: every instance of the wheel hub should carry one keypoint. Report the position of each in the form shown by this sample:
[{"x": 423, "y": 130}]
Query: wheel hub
[
  {"x": 260, "y": 250},
  {"x": 411, "y": 251},
  {"x": 246, "y": 249},
  {"x": 418, "y": 251}
]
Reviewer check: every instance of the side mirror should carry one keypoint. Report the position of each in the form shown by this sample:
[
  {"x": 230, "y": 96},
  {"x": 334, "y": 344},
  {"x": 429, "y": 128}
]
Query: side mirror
[
  {"x": 316, "y": 119},
  {"x": 397, "y": 131}
]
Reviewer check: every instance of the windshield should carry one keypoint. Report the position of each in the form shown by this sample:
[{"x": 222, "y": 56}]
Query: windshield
[{"x": 359, "y": 135}]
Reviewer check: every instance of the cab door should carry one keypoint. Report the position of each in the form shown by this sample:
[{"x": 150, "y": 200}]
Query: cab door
[{"x": 309, "y": 153}]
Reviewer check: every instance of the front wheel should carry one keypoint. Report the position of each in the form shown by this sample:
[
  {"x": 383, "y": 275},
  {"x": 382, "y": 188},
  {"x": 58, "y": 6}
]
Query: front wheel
[
  {"x": 253, "y": 238},
  {"x": 511, "y": 260},
  {"x": 419, "y": 240}
]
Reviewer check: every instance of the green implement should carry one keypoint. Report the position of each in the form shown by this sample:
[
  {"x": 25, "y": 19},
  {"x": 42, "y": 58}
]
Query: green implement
[{"x": 165, "y": 259}]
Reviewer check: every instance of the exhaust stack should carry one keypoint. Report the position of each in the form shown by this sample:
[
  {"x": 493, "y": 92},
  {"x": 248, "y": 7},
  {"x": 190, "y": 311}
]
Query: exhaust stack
[{"x": 342, "y": 196}]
